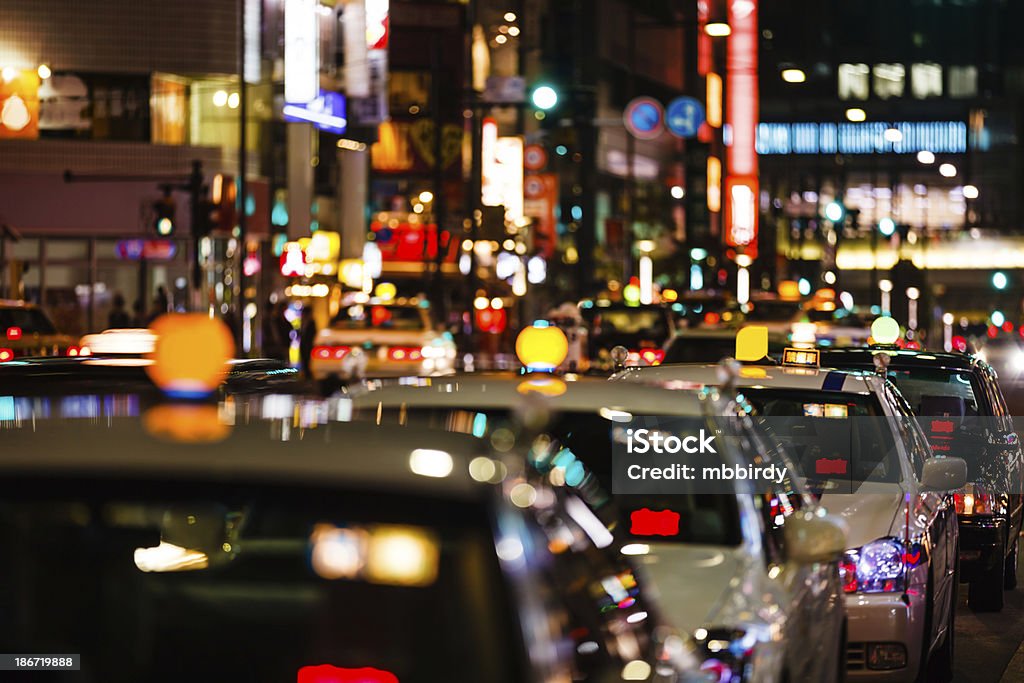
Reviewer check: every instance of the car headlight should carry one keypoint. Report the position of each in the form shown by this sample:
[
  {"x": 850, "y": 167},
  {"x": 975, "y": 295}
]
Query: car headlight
[
  {"x": 877, "y": 567},
  {"x": 1018, "y": 361}
]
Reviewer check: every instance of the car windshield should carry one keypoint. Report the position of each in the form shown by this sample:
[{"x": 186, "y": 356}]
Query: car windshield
[
  {"x": 590, "y": 438},
  {"x": 29, "y": 320},
  {"x": 239, "y": 582},
  {"x": 937, "y": 391},
  {"x": 711, "y": 349},
  {"x": 765, "y": 311},
  {"x": 816, "y": 431},
  {"x": 376, "y": 316}
]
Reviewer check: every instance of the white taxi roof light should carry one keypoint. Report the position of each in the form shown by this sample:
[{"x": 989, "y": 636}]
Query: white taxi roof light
[
  {"x": 885, "y": 330},
  {"x": 752, "y": 343},
  {"x": 541, "y": 347}
]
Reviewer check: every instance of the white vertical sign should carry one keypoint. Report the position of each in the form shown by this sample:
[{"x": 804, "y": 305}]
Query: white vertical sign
[
  {"x": 301, "y": 61},
  {"x": 357, "y": 68},
  {"x": 253, "y": 46}
]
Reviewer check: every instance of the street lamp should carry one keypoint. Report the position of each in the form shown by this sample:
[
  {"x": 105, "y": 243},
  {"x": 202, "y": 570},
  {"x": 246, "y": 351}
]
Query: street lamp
[{"x": 886, "y": 288}]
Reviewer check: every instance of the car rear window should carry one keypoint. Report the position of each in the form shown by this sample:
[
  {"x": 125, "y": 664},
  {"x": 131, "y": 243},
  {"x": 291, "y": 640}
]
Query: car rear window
[
  {"x": 30, "y": 320},
  {"x": 939, "y": 391},
  {"x": 375, "y": 316},
  {"x": 815, "y": 428},
  {"x": 173, "y": 581}
]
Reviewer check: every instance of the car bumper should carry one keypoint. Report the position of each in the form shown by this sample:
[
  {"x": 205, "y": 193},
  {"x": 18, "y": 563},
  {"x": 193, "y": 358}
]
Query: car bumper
[
  {"x": 344, "y": 369},
  {"x": 982, "y": 544},
  {"x": 879, "y": 618}
]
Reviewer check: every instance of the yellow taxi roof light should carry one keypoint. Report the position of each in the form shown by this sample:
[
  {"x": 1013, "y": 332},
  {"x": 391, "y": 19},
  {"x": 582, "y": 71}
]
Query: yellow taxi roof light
[
  {"x": 541, "y": 347},
  {"x": 752, "y": 343},
  {"x": 885, "y": 330}
]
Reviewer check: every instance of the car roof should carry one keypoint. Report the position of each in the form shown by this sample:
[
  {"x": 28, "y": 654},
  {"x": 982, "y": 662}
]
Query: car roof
[
  {"x": 357, "y": 454},
  {"x": 899, "y": 358},
  {"x": 506, "y": 390},
  {"x": 774, "y": 376}
]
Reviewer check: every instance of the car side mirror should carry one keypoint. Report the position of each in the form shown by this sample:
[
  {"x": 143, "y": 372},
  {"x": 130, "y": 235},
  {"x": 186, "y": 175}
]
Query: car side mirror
[
  {"x": 944, "y": 474},
  {"x": 812, "y": 538}
]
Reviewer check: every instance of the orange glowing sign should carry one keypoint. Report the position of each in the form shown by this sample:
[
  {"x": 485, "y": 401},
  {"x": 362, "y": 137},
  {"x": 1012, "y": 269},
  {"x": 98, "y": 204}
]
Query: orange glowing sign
[
  {"x": 191, "y": 353},
  {"x": 741, "y": 213}
]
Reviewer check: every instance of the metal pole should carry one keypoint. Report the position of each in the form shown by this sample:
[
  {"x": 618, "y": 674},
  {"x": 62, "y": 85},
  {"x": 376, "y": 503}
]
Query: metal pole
[{"x": 242, "y": 163}]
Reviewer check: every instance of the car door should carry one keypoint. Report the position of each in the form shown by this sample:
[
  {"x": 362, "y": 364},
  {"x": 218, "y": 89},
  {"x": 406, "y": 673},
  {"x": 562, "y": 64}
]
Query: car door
[
  {"x": 937, "y": 513},
  {"x": 1009, "y": 440}
]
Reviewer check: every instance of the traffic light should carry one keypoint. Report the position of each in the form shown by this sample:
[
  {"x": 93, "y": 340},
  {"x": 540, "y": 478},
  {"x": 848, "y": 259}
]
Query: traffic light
[
  {"x": 163, "y": 221},
  {"x": 544, "y": 97},
  {"x": 206, "y": 218}
]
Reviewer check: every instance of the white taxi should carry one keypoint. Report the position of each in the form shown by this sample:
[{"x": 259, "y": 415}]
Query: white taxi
[
  {"x": 382, "y": 337},
  {"x": 754, "y": 578},
  {"x": 899, "y": 572}
]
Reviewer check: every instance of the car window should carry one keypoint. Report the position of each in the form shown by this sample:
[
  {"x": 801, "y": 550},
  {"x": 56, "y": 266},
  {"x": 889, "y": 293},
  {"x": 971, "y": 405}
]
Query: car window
[
  {"x": 813, "y": 427},
  {"x": 30, "y": 320},
  {"x": 375, "y": 316},
  {"x": 938, "y": 391},
  {"x": 230, "y": 580}
]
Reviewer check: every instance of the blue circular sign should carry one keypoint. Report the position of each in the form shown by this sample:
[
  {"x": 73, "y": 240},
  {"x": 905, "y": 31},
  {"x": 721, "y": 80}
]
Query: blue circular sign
[
  {"x": 684, "y": 116},
  {"x": 644, "y": 118}
]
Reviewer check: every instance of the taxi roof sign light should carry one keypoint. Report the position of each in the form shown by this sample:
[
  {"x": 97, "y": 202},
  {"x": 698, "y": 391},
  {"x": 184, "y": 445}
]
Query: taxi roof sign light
[
  {"x": 752, "y": 343},
  {"x": 804, "y": 358},
  {"x": 541, "y": 347},
  {"x": 885, "y": 330}
]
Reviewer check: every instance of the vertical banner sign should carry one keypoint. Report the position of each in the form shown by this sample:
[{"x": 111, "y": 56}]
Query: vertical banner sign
[
  {"x": 741, "y": 185},
  {"x": 301, "y": 61},
  {"x": 488, "y": 162},
  {"x": 357, "y": 69},
  {"x": 253, "y": 44},
  {"x": 378, "y": 32},
  {"x": 741, "y": 213}
]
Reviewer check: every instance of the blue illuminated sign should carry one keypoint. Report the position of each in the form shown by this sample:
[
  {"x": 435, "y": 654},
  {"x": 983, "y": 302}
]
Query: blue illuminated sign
[
  {"x": 941, "y": 137},
  {"x": 326, "y": 112},
  {"x": 683, "y": 116}
]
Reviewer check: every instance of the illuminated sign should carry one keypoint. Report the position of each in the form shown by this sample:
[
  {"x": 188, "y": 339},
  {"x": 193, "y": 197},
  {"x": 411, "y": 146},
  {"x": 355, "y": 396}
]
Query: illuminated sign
[
  {"x": 741, "y": 87},
  {"x": 741, "y": 213},
  {"x": 301, "y": 59},
  {"x": 503, "y": 175},
  {"x": 146, "y": 250},
  {"x": 944, "y": 137},
  {"x": 326, "y": 112}
]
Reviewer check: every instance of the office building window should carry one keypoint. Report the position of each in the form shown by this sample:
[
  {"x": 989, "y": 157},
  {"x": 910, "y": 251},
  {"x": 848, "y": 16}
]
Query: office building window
[
  {"x": 963, "y": 81},
  {"x": 926, "y": 80},
  {"x": 890, "y": 80},
  {"x": 853, "y": 81}
]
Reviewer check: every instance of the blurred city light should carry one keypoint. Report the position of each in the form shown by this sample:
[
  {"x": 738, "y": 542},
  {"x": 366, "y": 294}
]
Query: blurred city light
[
  {"x": 999, "y": 280},
  {"x": 856, "y": 114},
  {"x": 893, "y": 135},
  {"x": 970, "y": 192},
  {"x": 793, "y": 75},
  {"x": 834, "y": 211},
  {"x": 510, "y": 16},
  {"x": 678, "y": 192},
  {"x": 887, "y": 226},
  {"x": 544, "y": 97},
  {"x": 926, "y": 157},
  {"x": 997, "y": 318},
  {"x": 804, "y": 286},
  {"x": 44, "y": 71},
  {"x": 947, "y": 170},
  {"x": 717, "y": 29}
]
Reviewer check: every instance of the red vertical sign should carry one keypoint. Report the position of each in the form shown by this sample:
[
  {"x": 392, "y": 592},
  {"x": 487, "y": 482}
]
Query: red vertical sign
[{"x": 741, "y": 186}]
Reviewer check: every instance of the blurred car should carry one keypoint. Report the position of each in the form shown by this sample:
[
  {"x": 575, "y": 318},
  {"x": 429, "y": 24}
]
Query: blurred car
[
  {"x": 705, "y": 345},
  {"x": 642, "y": 330},
  {"x": 1005, "y": 353},
  {"x": 95, "y": 375},
  {"x": 26, "y": 330},
  {"x": 901, "y": 611},
  {"x": 233, "y": 548},
  {"x": 744, "y": 575},
  {"x": 382, "y": 339},
  {"x": 962, "y": 410}
]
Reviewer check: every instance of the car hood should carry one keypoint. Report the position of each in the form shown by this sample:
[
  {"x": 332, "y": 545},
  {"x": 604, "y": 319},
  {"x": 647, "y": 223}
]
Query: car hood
[
  {"x": 692, "y": 582},
  {"x": 870, "y": 513}
]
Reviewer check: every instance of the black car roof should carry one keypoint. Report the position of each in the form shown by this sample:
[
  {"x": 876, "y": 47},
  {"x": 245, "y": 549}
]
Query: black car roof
[{"x": 899, "y": 358}]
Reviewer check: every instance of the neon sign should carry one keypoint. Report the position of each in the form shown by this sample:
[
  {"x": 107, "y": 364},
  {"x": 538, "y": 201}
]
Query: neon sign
[{"x": 942, "y": 137}]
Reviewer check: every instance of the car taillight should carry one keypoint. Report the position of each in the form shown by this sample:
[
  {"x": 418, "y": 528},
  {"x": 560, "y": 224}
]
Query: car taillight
[
  {"x": 72, "y": 351},
  {"x": 327, "y": 673},
  {"x": 848, "y": 575},
  {"x": 405, "y": 353},
  {"x": 974, "y": 501},
  {"x": 652, "y": 356},
  {"x": 13, "y": 333},
  {"x": 6, "y": 354},
  {"x": 331, "y": 352}
]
